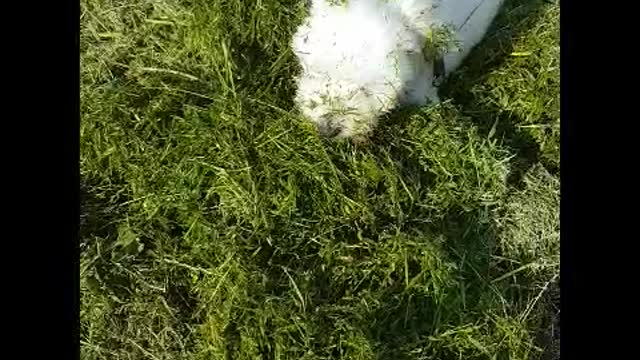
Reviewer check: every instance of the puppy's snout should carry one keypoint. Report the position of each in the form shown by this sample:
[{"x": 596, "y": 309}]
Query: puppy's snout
[{"x": 329, "y": 130}]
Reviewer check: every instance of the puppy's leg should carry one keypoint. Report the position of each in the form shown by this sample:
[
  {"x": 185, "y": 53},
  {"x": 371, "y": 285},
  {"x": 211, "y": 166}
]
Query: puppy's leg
[
  {"x": 471, "y": 28},
  {"x": 420, "y": 90}
]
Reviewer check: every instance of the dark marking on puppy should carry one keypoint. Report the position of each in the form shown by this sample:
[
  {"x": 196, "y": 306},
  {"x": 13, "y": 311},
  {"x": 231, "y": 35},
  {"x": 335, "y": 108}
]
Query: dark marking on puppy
[{"x": 360, "y": 140}]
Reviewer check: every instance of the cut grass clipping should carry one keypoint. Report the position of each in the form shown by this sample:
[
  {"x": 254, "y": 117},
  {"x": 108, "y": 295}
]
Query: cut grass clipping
[{"x": 216, "y": 223}]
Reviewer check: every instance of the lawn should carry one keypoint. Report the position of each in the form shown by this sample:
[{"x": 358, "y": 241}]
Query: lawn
[{"x": 216, "y": 223}]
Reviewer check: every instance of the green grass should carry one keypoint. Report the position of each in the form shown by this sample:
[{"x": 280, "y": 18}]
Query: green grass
[{"x": 216, "y": 224}]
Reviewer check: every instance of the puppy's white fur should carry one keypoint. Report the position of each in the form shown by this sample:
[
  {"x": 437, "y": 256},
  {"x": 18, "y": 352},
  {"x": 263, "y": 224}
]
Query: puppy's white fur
[{"x": 362, "y": 59}]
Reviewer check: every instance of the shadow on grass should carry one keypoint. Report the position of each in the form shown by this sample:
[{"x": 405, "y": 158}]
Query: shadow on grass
[
  {"x": 118, "y": 276},
  {"x": 403, "y": 317},
  {"x": 99, "y": 215},
  {"x": 516, "y": 17},
  {"x": 408, "y": 318},
  {"x": 98, "y": 233}
]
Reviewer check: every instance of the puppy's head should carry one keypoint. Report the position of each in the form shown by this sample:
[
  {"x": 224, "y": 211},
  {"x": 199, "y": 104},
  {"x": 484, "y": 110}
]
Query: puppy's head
[{"x": 342, "y": 109}]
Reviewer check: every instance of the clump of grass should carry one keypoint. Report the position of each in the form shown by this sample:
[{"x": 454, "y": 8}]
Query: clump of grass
[
  {"x": 440, "y": 40},
  {"x": 521, "y": 91},
  {"x": 217, "y": 224},
  {"x": 531, "y": 224}
]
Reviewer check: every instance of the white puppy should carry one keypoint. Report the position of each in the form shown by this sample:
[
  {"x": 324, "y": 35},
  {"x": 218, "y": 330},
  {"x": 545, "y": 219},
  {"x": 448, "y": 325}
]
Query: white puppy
[{"x": 362, "y": 58}]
